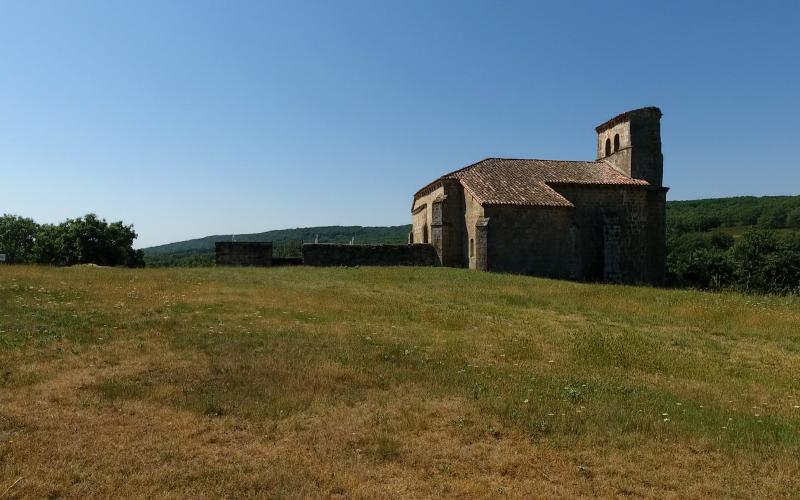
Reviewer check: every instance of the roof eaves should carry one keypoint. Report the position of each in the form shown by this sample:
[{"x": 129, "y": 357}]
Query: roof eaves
[
  {"x": 631, "y": 182},
  {"x": 565, "y": 204},
  {"x": 451, "y": 175}
]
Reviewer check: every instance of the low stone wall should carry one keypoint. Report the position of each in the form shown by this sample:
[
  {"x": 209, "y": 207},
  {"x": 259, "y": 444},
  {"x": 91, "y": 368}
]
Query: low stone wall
[
  {"x": 287, "y": 261},
  {"x": 332, "y": 254},
  {"x": 243, "y": 253}
]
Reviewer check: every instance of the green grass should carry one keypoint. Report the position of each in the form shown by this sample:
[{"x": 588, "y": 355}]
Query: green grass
[{"x": 571, "y": 366}]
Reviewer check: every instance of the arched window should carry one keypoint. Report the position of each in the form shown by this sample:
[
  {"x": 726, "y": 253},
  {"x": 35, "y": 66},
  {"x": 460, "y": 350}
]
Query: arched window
[
  {"x": 608, "y": 147},
  {"x": 616, "y": 142},
  {"x": 425, "y": 233},
  {"x": 472, "y": 247}
]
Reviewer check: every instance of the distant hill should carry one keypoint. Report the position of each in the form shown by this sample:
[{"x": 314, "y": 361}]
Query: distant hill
[
  {"x": 326, "y": 234},
  {"x": 198, "y": 252}
]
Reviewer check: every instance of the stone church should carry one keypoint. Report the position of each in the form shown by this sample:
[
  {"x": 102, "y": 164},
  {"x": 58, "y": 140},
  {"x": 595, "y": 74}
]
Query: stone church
[{"x": 601, "y": 220}]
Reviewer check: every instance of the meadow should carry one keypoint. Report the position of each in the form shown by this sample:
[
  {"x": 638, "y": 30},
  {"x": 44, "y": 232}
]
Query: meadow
[{"x": 390, "y": 382}]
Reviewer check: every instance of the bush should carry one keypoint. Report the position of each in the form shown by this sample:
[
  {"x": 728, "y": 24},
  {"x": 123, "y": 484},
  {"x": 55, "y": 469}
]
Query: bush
[
  {"x": 759, "y": 261},
  {"x": 17, "y": 238},
  {"x": 85, "y": 240},
  {"x": 793, "y": 218},
  {"x": 765, "y": 263}
]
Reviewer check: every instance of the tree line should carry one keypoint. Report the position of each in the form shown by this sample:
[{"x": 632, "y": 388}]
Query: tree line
[
  {"x": 747, "y": 243},
  {"x": 772, "y": 212},
  {"x": 760, "y": 260},
  {"x": 84, "y": 240}
]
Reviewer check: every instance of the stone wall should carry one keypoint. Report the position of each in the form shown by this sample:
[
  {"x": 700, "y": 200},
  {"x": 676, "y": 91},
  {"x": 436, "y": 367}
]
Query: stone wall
[
  {"x": 447, "y": 222},
  {"x": 243, "y": 253},
  {"x": 422, "y": 216},
  {"x": 620, "y": 158},
  {"x": 616, "y": 220},
  {"x": 527, "y": 240},
  {"x": 438, "y": 218},
  {"x": 614, "y": 233},
  {"x": 287, "y": 261},
  {"x": 473, "y": 215},
  {"x": 647, "y": 161},
  {"x": 332, "y": 254},
  {"x": 657, "y": 236}
]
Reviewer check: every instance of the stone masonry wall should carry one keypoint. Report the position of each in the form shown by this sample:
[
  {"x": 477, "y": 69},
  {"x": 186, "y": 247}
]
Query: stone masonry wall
[
  {"x": 647, "y": 162},
  {"x": 598, "y": 209},
  {"x": 438, "y": 218},
  {"x": 620, "y": 159},
  {"x": 243, "y": 253},
  {"x": 473, "y": 214},
  {"x": 422, "y": 216},
  {"x": 331, "y": 254},
  {"x": 657, "y": 236},
  {"x": 529, "y": 240},
  {"x": 453, "y": 250}
]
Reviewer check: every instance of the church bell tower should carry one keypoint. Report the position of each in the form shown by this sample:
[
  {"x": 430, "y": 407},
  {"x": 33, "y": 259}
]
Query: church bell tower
[{"x": 631, "y": 142}]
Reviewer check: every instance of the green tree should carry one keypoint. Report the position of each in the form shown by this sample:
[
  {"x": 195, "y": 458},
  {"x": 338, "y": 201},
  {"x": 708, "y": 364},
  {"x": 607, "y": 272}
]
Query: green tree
[
  {"x": 18, "y": 238},
  {"x": 90, "y": 239},
  {"x": 772, "y": 218},
  {"x": 50, "y": 245},
  {"x": 764, "y": 263},
  {"x": 793, "y": 218}
]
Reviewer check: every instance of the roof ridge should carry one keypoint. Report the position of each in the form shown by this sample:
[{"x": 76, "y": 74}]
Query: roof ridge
[
  {"x": 529, "y": 181},
  {"x": 543, "y": 159},
  {"x": 471, "y": 165}
]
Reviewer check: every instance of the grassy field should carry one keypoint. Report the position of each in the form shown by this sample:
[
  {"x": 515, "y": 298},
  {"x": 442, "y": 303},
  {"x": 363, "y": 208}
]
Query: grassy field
[{"x": 390, "y": 382}]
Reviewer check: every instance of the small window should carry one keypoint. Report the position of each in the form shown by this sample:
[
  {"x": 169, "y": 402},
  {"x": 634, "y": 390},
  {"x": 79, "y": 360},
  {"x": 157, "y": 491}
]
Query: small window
[
  {"x": 616, "y": 142},
  {"x": 472, "y": 247},
  {"x": 425, "y": 233},
  {"x": 608, "y": 147}
]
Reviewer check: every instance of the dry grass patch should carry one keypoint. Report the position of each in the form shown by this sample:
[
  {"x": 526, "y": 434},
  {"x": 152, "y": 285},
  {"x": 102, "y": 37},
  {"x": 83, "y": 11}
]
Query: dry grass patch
[{"x": 378, "y": 383}]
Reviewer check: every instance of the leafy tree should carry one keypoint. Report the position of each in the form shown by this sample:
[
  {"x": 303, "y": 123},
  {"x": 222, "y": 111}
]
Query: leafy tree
[
  {"x": 702, "y": 268},
  {"x": 50, "y": 245},
  {"x": 18, "y": 238},
  {"x": 700, "y": 260},
  {"x": 772, "y": 218},
  {"x": 83, "y": 240},
  {"x": 760, "y": 261},
  {"x": 793, "y": 218},
  {"x": 89, "y": 239},
  {"x": 764, "y": 263}
]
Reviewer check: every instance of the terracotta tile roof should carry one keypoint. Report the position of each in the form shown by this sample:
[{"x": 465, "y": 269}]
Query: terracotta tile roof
[{"x": 505, "y": 181}]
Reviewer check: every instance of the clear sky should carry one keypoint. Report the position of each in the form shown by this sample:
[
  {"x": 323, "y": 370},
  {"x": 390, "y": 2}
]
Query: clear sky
[{"x": 196, "y": 118}]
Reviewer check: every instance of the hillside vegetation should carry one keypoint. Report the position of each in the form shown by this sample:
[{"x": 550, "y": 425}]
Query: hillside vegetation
[
  {"x": 390, "y": 382},
  {"x": 747, "y": 243},
  {"x": 766, "y": 212}
]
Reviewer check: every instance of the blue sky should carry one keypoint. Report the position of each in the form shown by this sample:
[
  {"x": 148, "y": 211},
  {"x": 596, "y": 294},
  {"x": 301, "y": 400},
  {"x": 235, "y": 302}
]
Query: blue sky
[{"x": 196, "y": 118}]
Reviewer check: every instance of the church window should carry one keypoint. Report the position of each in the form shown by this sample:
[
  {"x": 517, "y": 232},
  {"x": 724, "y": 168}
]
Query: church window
[
  {"x": 616, "y": 142},
  {"x": 608, "y": 147},
  {"x": 472, "y": 247},
  {"x": 425, "y": 233}
]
